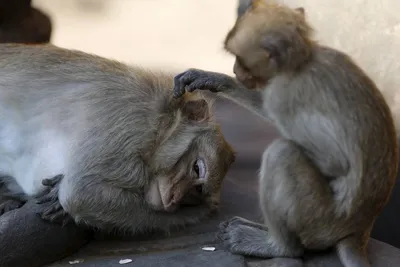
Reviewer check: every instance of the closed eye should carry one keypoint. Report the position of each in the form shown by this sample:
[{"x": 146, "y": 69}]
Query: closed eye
[{"x": 241, "y": 63}]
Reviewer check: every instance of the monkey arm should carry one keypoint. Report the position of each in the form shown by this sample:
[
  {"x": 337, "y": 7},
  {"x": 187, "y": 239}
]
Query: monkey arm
[
  {"x": 110, "y": 208},
  {"x": 225, "y": 85}
]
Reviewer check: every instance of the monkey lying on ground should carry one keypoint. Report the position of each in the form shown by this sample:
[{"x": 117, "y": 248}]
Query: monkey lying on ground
[
  {"x": 126, "y": 155},
  {"x": 329, "y": 176}
]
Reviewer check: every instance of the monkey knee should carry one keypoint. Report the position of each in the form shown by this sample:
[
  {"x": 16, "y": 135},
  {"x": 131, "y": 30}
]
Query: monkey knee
[{"x": 278, "y": 153}]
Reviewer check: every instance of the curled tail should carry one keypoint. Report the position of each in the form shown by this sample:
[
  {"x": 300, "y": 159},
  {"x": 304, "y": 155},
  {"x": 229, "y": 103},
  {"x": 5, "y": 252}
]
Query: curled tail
[{"x": 351, "y": 253}]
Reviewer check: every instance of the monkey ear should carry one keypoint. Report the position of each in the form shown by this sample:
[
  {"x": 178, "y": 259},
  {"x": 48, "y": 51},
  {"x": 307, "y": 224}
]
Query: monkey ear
[
  {"x": 301, "y": 11},
  {"x": 196, "y": 110}
]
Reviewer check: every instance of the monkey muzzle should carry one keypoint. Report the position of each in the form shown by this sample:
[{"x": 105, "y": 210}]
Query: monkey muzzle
[
  {"x": 246, "y": 78},
  {"x": 163, "y": 195}
]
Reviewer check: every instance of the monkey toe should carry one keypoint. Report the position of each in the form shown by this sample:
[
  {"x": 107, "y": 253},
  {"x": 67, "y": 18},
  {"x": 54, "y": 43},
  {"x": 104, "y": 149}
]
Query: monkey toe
[
  {"x": 222, "y": 226},
  {"x": 9, "y": 205},
  {"x": 236, "y": 221}
]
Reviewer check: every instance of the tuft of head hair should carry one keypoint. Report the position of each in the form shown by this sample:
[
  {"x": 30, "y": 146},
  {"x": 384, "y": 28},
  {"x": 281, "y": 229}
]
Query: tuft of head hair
[{"x": 264, "y": 30}]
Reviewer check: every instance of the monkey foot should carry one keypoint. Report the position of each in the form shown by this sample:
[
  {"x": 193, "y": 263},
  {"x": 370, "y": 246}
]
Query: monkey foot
[
  {"x": 244, "y": 237},
  {"x": 240, "y": 237},
  {"x": 51, "y": 209},
  {"x": 9, "y": 205},
  {"x": 236, "y": 220}
]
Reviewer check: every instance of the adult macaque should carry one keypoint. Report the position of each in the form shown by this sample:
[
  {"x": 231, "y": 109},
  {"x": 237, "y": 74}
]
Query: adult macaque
[
  {"x": 326, "y": 180},
  {"x": 117, "y": 150}
]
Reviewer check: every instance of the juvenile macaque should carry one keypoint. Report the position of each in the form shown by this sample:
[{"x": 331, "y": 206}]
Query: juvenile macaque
[
  {"x": 106, "y": 144},
  {"x": 325, "y": 181}
]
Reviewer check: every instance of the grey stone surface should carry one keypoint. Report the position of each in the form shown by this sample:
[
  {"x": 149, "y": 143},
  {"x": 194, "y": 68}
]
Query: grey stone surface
[{"x": 194, "y": 257}]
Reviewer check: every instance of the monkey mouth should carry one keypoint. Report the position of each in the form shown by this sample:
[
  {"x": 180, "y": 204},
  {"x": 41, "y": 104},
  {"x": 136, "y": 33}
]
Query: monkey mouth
[
  {"x": 172, "y": 198},
  {"x": 252, "y": 82}
]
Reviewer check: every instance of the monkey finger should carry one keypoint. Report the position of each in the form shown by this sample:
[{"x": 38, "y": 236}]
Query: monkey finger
[
  {"x": 44, "y": 199},
  {"x": 52, "y": 181},
  {"x": 50, "y": 196},
  {"x": 199, "y": 84},
  {"x": 54, "y": 208},
  {"x": 179, "y": 86}
]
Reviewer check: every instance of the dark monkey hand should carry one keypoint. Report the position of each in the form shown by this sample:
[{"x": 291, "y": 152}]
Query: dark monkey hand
[
  {"x": 51, "y": 208},
  {"x": 195, "y": 79}
]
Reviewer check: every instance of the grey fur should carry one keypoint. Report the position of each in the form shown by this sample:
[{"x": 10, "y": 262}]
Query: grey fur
[
  {"x": 111, "y": 130},
  {"x": 326, "y": 180}
]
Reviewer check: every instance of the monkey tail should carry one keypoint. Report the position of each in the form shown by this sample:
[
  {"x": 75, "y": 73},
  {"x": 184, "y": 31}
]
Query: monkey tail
[{"x": 350, "y": 254}]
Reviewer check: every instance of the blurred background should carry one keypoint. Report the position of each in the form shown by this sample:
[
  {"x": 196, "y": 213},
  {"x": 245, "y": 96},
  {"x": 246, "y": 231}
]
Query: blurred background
[{"x": 164, "y": 33}]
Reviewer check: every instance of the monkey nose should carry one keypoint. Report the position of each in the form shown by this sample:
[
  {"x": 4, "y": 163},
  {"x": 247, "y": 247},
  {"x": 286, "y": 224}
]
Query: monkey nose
[{"x": 199, "y": 188}]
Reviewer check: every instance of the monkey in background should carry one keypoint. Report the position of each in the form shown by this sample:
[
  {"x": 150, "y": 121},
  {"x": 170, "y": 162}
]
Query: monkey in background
[
  {"x": 326, "y": 180},
  {"x": 124, "y": 154}
]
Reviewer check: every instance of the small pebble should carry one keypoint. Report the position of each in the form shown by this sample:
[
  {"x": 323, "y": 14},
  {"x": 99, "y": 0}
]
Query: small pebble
[
  {"x": 124, "y": 261},
  {"x": 208, "y": 248},
  {"x": 75, "y": 262}
]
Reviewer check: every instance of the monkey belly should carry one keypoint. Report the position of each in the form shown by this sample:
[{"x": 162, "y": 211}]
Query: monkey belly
[{"x": 47, "y": 160}]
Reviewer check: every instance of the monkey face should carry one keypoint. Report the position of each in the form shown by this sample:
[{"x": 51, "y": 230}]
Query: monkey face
[
  {"x": 168, "y": 193},
  {"x": 252, "y": 78},
  {"x": 259, "y": 40},
  {"x": 196, "y": 179}
]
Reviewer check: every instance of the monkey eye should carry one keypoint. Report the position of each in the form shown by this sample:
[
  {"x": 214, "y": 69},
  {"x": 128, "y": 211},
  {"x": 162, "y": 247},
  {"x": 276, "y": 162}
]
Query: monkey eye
[{"x": 200, "y": 168}]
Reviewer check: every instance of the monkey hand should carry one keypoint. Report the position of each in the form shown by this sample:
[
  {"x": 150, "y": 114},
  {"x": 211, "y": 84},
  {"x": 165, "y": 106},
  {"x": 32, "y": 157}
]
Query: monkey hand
[
  {"x": 51, "y": 208},
  {"x": 193, "y": 79}
]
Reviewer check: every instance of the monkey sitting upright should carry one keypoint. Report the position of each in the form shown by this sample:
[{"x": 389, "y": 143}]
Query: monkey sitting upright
[
  {"x": 326, "y": 180},
  {"x": 124, "y": 154}
]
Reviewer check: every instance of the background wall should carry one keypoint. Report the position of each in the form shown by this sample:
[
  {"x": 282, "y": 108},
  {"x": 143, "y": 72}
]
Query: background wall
[{"x": 178, "y": 34}]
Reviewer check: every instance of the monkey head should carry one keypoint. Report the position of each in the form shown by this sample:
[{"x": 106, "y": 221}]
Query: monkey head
[
  {"x": 262, "y": 38},
  {"x": 191, "y": 163}
]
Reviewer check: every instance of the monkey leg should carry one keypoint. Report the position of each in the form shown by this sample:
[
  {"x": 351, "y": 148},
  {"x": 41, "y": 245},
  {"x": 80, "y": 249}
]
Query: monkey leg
[
  {"x": 297, "y": 205},
  {"x": 10, "y": 204},
  {"x": 8, "y": 200}
]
